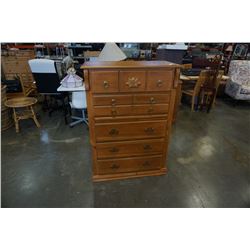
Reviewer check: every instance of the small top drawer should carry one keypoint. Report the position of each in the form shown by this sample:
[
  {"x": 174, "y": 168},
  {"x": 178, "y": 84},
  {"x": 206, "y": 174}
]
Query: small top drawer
[
  {"x": 104, "y": 81},
  {"x": 132, "y": 81},
  {"x": 159, "y": 80}
]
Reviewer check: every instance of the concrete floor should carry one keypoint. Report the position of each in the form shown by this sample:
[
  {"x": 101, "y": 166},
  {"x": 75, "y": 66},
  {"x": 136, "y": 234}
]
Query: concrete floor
[{"x": 209, "y": 165}]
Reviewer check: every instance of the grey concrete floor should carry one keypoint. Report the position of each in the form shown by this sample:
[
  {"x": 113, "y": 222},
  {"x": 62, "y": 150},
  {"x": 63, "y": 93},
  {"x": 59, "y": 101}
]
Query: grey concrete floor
[{"x": 209, "y": 165}]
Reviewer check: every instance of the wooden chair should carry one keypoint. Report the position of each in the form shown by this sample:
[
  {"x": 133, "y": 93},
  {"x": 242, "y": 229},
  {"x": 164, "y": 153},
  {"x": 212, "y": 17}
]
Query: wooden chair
[
  {"x": 209, "y": 90},
  {"x": 209, "y": 87},
  {"x": 28, "y": 87}
]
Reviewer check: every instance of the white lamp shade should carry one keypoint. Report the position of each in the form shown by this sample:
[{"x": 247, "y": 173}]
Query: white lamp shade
[{"x": 111, "y": 52}]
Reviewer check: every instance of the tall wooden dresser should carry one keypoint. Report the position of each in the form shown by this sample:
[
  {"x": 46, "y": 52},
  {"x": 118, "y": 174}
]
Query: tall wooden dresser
[{"x": 130, "y": 110}]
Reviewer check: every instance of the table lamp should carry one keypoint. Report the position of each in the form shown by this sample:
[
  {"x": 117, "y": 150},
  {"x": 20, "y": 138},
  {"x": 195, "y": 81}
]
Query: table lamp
[
  {"x": 71, "y": 80},
  {"x": 111, "y": 52}
]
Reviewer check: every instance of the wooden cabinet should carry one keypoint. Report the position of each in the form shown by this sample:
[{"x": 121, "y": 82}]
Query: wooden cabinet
[{"x": 130, "y": 109}]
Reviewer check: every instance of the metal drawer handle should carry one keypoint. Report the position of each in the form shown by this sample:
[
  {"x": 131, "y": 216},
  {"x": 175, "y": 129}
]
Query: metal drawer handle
[
  {"x": 146, "y": 164},
  {"x": 113, "y": 112},
  {"x": 113, "y": 101},
  {"x": 149, "y": 130},
  {"x": 147, "y": 147},
  {"x": 115, "y": 166},
  {"x": 152, "y": 100},
  {"x": 114, "y": 150},
  {"x": 159, "y": 83},
  {"x": 105, "y": 84},
  {"x": 133, "y": 82},
  {"x": 114, "y": 132}
]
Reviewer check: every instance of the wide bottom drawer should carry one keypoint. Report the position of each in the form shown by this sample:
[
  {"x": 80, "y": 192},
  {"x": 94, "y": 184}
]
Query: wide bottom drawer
[
  {"x": 130, "y": 148},
  {"x": 125, "y": 165}
]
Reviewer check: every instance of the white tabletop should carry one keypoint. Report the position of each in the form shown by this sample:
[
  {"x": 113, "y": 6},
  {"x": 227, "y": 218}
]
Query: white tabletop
[{"x": 81, "y": 88}]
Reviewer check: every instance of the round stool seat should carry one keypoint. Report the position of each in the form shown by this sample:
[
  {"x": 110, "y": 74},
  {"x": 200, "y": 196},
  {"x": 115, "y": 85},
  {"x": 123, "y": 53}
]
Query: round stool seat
[
  {"x": 20, "y": 102},
  {"x": 22, "y": 109}
]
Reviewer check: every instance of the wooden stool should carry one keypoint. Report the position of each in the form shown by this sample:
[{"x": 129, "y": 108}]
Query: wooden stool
[{"x": 28, "y": 112}]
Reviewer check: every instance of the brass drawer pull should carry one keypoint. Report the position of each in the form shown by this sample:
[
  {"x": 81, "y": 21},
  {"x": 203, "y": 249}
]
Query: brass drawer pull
[
  {"x": 146, "y": 164},
  {"x": 147, "y": 147},
  {"x": 115, "y": 166},
  {"x": 113, "y": 112},
  {"x": 114, "y": 132},
  {"x": 149, "y": 130},
  {"x": 113, "y": 101},
  {"x": 105, "y": 84},
  {"x": 159, "y": 83},
  {"x": 114, "y": 150},
  {"x": 152, "y": 100},
  {"x": 133, "y": 82}
]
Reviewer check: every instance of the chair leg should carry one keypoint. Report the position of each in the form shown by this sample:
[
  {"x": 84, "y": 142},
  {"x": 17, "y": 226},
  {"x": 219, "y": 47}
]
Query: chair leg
[
  {"x": 84, "y": 117},
  {"x": 192, "y": 105},
  {"x": 79, "y": 119},
  {"x": 70, "y": 112},
  {"x": 16, "y": 120},
  {"x": 201, "y": 100},
  {"x": 34, "y": 117},
  {"x": 210, "y": 104}
]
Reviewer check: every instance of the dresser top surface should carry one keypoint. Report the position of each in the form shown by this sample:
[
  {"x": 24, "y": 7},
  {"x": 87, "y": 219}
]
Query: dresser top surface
[{"x": 129, "y": 64}]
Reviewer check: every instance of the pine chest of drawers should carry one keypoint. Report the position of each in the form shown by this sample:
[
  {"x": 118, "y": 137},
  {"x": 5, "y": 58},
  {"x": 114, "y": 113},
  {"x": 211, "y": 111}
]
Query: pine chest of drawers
[{"x": 130, "y": 110}]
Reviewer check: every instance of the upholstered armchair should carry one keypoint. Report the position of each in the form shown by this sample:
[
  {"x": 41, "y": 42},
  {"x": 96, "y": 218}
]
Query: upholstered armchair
[{"x": 238, "y": 84}]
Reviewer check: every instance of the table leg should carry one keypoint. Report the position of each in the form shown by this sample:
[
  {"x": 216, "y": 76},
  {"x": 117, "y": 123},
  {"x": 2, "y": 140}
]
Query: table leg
[{"x": 34, "y": 117}]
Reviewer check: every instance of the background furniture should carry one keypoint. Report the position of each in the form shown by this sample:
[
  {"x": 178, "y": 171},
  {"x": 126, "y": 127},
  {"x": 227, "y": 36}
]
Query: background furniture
[
  {"x": 22, "y": 109},
  {"x": 6, "y": 113},
  {"x": 78, "y": 102},
  {"x": 208, "y": 90},
  {"x": 179, "y": 92},
  {"x": 238, "y": 84},
  {"x": 194, "y": 90},
  {"x": 47, "y": 82},
  {"x": 15, "y": 63},
  {"x": 171, "y": 53},
  {"x": 130, "y": 110}
]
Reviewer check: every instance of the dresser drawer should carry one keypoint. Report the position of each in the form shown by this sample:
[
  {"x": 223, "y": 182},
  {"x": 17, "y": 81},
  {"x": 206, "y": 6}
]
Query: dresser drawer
[
  {"x": 104, "y": 81},
  {"x": 160, "y": 80},
  {"x": 130, "y": 130},
  {"x": 112, "y": 110},
  {"x": 132, "y": 81},
  {"x": 99, "y": 100},
  {"x": 151, "y": 109},
  {"x": 129, "y": 148},
  {"x": 128, "y": 110},
  {"x": 125, "y": 165},
  {"x": 151, "y": 98}
]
